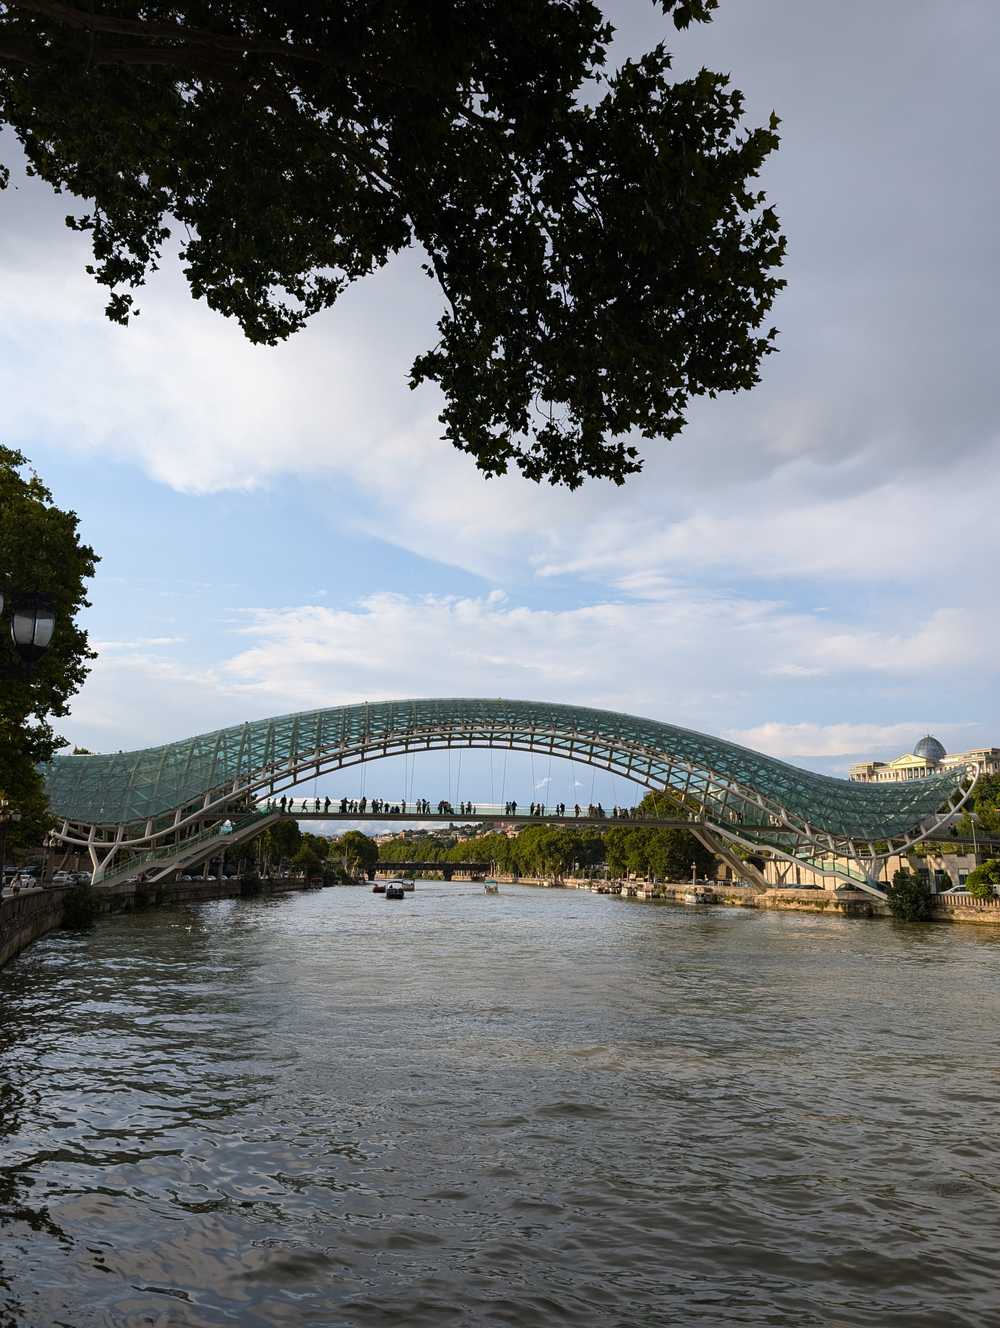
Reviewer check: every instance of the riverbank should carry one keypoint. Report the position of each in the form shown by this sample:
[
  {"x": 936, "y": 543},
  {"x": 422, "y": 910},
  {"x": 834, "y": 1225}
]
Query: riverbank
[
  {"x": 27, "y": 916},
  {"x": 850, "y": 903},
  {"x": 33, "y": 913}
]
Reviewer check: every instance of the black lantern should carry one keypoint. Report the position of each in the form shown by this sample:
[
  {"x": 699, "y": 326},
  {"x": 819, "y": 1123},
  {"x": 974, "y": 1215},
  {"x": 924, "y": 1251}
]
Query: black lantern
[{"x": 32, "y": 622}]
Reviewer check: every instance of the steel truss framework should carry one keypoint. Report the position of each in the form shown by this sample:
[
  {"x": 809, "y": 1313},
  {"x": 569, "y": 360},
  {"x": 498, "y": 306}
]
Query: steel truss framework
[{"x": 142, "y": 800}]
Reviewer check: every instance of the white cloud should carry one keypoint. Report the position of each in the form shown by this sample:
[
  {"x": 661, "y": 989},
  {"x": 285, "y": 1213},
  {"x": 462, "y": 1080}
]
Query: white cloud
[
  {"x": 861, "y": 741},
  {"x": 690, "y": 659}
]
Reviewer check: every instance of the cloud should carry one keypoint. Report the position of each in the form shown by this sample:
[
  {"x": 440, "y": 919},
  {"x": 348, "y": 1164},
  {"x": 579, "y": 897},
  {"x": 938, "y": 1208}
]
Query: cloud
[
  {"x": 859, "y": 475},
  {"x": 861, "y": 741},
  {"x": 691, "y": 659}
]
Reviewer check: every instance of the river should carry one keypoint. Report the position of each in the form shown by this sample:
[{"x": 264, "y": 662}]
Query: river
[{"x": 544, "y": 1107}]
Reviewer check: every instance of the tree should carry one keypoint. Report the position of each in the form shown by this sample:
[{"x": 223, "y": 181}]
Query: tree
[
  {"x": 40, "y": 552},
  {"x": 603, "y": 252},
  {"x": 910, "y": 899},
  {"x": 671, "y": 854},
  {"x": 307, "y": 861},
  {"x": 981, "y": 881},
  {"x": 358, "y": 853},
  {"x": 281, "y": 842}
]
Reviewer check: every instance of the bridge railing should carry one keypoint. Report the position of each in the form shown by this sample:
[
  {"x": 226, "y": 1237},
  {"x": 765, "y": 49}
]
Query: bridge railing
[
  {"x": 387, "y": 808},
  {"x": 141, "y": 862}
]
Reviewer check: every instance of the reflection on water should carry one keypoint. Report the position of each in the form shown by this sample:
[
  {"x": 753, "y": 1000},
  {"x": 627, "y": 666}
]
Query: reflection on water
[{"x": 545, "y": 1107}]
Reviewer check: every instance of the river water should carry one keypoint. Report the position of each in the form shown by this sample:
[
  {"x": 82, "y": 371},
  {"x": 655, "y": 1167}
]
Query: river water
[{"x": 545, "y": 1107}]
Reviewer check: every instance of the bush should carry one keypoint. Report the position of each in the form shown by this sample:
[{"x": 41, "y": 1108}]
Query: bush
[
  {"x": 980, "y": 882},
  {"x": 80, "y": 907},
  {"x": 910, "y": 900}
]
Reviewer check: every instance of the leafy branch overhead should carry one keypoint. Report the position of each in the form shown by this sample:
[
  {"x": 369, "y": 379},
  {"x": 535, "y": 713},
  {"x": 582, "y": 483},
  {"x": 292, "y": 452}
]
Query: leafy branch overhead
[{"x": 601, "y": 245}]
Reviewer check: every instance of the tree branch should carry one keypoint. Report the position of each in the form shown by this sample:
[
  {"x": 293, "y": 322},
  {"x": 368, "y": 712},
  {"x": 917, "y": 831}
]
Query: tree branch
[{"x": 232, "y": 43}]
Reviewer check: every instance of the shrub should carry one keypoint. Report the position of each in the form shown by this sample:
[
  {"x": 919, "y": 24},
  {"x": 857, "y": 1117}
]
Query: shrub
[
  {"x": 80, "y": 907},
  {"x": 910, "y": 900},
  {"x": 980, "y": 882}
]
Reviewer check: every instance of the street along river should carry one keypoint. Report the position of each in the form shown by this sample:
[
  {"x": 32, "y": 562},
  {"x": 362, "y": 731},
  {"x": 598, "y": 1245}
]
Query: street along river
[{"x": 544, "y": 1107}]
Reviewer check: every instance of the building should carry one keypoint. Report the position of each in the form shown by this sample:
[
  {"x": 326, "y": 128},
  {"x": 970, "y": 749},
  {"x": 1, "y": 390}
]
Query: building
[{"x": 927, "y": 758}]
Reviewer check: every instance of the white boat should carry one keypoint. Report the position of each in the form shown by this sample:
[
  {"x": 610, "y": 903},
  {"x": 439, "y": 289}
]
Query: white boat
[
  {"x": 697, "y": 895},
  {"x": 491, "y": 888}
]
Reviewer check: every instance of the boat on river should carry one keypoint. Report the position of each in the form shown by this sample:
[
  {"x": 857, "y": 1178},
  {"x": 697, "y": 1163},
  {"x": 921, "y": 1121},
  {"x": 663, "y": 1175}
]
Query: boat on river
[
  {"x": 394, "y": 890},
  {"x": 697, "y": 895},
  {"x": 378, "y": 888},
  {"x": 491, "y": 887}
]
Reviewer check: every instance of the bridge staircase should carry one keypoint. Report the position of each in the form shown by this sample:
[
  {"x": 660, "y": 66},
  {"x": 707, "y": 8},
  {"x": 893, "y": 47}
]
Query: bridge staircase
[{"x": 156, "y": 864}]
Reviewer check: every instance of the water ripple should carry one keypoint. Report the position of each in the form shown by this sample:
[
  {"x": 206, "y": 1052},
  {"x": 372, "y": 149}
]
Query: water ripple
[{"x": 325, "y": 1111}]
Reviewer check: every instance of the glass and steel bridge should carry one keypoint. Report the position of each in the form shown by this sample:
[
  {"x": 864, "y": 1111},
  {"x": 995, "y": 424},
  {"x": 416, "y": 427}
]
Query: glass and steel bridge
[{"x": 736, "y": 800}]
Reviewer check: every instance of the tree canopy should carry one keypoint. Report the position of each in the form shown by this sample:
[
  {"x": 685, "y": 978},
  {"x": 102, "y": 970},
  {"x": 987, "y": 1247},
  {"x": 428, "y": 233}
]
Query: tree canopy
[
  {"x": 40, "y": 553},
  {"x": 358, "y": 853},
  {"x": 599, "y": 240}
]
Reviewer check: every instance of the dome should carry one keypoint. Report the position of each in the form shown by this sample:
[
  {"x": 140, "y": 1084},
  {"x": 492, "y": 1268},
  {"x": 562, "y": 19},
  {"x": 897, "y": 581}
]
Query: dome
[{"x": 930, "y": 749}]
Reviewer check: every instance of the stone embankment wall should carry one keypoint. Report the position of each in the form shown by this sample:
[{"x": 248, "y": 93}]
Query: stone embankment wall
[
  {"x": 26, "y": 916},
  {"x": 850, "y": 903}
]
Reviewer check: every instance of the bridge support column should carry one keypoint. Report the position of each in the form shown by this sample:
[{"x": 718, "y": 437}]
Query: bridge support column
[{"x": 744, "y": 870}]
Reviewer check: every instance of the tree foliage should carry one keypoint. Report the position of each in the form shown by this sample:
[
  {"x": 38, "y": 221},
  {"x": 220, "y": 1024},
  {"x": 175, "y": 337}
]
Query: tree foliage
[
  {"x": 279, "y": 843},
  {"x": 547, "y": 850},
  {"x": 601, "y": 246},
  {"x": 910, "y": 899},
  {"x": 649, "y": 851},
  {"x": 980, "y": 883},
  {"x": 40, "y": 553},
  {"x": 356, "y": 851},
  {"x": 307, "y": 860}
]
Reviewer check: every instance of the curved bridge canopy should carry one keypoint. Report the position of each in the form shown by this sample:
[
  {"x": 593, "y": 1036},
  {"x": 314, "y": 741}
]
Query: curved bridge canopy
[{"x": 753, "y": 799}]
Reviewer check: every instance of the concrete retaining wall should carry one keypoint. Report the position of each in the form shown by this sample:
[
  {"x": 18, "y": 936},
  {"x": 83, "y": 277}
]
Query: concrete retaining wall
[{"x": 27, "y": 916}]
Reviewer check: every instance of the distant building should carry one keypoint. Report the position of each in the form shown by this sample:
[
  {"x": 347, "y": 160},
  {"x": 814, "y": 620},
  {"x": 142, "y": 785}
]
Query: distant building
[{"x": 927, "y": 758}]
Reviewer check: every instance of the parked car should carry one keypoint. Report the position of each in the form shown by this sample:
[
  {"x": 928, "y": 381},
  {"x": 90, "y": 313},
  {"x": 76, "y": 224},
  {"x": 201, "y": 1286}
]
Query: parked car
[{"x": 64, "y": 878}]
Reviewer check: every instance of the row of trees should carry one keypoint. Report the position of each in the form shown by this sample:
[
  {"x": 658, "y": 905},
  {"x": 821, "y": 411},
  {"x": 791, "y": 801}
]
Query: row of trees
[
  {"x": 285, "y": 847},
  {"x": 543, "y": 850}
]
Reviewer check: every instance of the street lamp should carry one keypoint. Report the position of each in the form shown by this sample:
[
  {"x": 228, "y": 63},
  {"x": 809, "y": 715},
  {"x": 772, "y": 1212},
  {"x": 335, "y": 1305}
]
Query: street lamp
[{"x": 32, "y": 622}]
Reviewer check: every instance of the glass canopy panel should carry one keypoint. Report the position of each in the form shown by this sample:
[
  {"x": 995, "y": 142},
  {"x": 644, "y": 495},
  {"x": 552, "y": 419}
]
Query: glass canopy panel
[{"x": 131, "y": 787}]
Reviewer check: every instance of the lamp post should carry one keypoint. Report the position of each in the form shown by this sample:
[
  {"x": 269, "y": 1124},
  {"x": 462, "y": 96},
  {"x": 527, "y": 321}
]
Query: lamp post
[
  {"x": 8, "y": 817},
  {"x": 32, "y": 623},
  {"x": 694, "y": 873}
]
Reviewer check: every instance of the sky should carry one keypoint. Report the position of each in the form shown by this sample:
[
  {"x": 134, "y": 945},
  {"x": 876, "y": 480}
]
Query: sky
[{"x": 809, "y": 569}]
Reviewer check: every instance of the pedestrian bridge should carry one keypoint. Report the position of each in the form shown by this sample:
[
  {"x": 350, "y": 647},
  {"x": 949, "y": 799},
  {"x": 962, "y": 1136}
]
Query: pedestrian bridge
[{"x": 737, "y": 801}]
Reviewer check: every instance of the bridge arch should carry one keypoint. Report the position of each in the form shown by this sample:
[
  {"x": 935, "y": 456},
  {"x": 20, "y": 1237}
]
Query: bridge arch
[{"x": 736, "y": 796}]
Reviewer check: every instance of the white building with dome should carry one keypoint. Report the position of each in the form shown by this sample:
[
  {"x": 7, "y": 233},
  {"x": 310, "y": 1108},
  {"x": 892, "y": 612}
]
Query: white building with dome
[{"x": 928, "y": 757}]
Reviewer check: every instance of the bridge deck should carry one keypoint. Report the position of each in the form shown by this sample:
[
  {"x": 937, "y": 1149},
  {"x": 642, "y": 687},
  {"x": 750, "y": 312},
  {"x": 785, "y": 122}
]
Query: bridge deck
[{"x": 493, "y": 817}]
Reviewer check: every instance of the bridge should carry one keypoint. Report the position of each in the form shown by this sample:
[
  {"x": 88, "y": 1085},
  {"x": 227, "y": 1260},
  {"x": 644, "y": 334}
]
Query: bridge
[
  {"x": 161, "y": 808},
  {"x": 444, "y": 869}
]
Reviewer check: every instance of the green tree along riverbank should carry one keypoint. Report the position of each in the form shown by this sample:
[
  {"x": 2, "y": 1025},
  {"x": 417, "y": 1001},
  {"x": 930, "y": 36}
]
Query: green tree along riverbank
[
  {"x": 548, "y": 850},
  {"x": 40, "y": 555}
]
